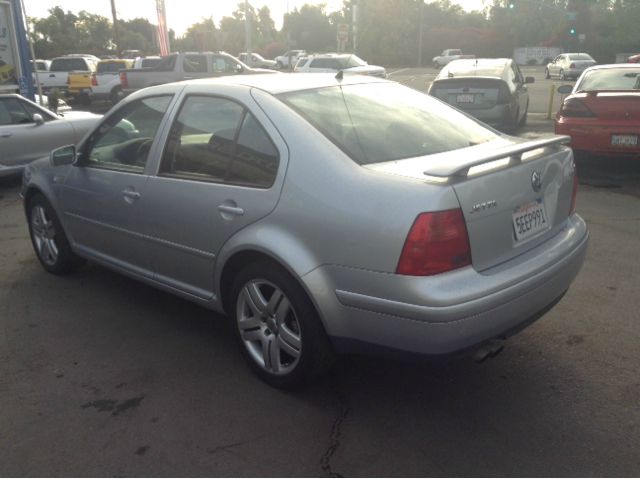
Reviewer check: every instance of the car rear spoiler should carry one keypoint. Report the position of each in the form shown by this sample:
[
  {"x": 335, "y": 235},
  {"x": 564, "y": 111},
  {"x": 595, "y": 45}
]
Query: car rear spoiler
[{"x": 461, "y": 167}]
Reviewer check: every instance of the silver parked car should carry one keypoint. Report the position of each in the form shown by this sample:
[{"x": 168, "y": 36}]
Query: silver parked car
[
  {"x": 490, "y": 89},
  {"x": 335, "y": 62},
  {"x": 320, "y": 214},
  {"x": 569, "y": 65},
  {"x": 29, "y": 131}
]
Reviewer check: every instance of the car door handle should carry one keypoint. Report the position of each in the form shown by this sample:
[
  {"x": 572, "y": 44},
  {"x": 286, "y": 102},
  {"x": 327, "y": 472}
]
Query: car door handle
[
  {"x": 231, "y": 210},
  {"x": 5, "y": 135},
  {"x": 131, "y": 194}
]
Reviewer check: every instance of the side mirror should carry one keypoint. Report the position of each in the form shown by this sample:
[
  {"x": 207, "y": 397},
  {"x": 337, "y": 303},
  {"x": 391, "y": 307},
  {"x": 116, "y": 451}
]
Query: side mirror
[
  {"x": 565, "y": 89},
  {"x": 65, "y": 155},
  {"x": 37, "y": 118},
  {"x": 529, "y": 80}
]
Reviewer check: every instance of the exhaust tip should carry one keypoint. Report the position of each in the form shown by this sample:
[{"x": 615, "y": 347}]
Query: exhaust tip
[{"x": 489, "y": 350}]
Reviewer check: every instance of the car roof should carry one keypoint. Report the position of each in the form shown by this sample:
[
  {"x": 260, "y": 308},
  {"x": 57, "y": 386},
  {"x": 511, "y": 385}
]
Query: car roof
[
  {"x": 470, "y": 66},
  {"x": 285, "y": 82}
]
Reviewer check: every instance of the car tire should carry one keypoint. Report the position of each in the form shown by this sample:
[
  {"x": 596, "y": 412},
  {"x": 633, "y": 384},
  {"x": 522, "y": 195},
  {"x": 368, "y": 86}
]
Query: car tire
[
  {"x": 523, "y": 121},
  {"x": 48, "y": 238},
  {"x": 277, "y": 326},
  {"x": 562, "y": 76},
  {"x": 279, "y": 65},
  {"x": 116, "y": 95},
  {"x": 546, "y": 73},
  {"x": 84, "y": 99},
  {"x": 436, "y": 65}
]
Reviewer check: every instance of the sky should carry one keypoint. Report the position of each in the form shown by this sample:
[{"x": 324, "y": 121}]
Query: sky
[{"x": 181, "y": 14}]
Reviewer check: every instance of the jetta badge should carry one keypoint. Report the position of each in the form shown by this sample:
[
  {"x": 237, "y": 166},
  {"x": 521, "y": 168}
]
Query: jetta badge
[{"x": 536, "y": 181}]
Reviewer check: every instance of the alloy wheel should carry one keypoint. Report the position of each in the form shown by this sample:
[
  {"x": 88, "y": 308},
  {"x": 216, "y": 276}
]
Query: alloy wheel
[
  {"x": 44, "y": 234},
  {"x": 269, "y": 327}
]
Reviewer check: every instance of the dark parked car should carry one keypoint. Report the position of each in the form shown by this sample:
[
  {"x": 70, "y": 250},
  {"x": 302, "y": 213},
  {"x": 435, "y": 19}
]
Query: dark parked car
[{"x": 491, "y": 89}]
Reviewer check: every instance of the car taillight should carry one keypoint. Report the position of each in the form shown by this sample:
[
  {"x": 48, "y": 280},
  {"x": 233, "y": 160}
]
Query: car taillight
[
  {"x": 573, "y": 107},
  {"x": 504, "y": 94},
  {"x": 573, "y": 65},
  {"x": 437, "y": 242},
  {"x": 574, "y": 192},
  {"x": 123, "y": 80},
  {"x": 94, "y": 80}
]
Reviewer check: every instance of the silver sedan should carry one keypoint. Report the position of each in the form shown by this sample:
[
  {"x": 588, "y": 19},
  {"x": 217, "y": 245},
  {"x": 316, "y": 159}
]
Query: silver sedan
[
  {"x": 323, "y": 214},
  {"x": 28, "y": 131}
]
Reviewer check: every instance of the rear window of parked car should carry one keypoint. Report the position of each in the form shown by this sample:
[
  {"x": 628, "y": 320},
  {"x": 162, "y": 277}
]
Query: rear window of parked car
[
  {"x": 68, "y": 64},
  {"x": 111, "y": 67},
  {"x": 380, "y": 122},
  {"x": 611, "y": 79},
  {"x": 579, "y": 56}
]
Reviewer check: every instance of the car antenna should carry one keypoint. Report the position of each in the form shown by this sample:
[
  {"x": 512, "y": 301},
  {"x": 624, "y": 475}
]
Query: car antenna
[{"x": 339, "y": 75}]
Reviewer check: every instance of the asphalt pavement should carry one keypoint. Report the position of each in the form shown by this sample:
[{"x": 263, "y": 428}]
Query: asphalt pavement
[{"x": 104, "y": 376}]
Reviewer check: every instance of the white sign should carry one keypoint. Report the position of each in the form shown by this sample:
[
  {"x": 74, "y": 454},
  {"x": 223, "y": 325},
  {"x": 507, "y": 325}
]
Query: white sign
[{"x": 7, "y": 50}]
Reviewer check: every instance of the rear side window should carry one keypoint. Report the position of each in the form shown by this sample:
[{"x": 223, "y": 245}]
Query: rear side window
[
  {"x": 379, "y": 122},
  {"x": 195, "y": 63},
  {"x": 325, "y": 63},
  {"x": 215, "y": 139}
]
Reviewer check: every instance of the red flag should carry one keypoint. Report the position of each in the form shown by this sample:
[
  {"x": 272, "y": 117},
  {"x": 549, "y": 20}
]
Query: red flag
[{"x": 162, "y": 31}]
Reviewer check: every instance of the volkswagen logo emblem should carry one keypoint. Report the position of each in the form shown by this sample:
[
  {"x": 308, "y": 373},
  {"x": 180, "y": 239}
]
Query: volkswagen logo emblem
[{"x": 536, "y": 180}]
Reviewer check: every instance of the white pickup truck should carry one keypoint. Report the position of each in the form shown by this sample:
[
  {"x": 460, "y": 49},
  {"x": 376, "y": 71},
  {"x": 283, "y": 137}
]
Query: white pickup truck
[
  {"x": 105, "y": 82},
  {"x": 448, "y": 55}
]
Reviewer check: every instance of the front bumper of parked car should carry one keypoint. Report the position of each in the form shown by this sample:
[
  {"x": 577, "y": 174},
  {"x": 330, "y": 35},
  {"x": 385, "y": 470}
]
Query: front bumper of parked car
[{"x": 451, "y": 312}]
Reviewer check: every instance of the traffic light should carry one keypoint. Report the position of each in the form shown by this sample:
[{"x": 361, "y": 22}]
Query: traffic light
[
  {"x": 512, "y": 5},
  {"x": 573, "y": 31}
]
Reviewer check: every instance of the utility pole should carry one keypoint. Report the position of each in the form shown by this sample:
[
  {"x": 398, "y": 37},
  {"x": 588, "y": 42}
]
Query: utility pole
[
  {"x": 420, "y": 33},
  {"x": 354, "y": 26},
  {"x": 116, "y": 37},
  {"x": 247, "y": 32}
]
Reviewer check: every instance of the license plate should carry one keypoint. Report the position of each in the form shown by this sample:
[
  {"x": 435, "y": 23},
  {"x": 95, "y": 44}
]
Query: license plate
[
  {"x": 529, "y": 220},
  {"x": 465, "y": 98},
  {"x": 624, "y": 140}
]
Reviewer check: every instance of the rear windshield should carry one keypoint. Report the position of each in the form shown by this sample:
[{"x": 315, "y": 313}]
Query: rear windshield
[
  {"x": 150, "y": 62},
  {"x": 68, "y": 64},
  {"x": 380, "y": 122},
  {"x": 611, "y": 79},
  {"x": 111, "y": 67}
]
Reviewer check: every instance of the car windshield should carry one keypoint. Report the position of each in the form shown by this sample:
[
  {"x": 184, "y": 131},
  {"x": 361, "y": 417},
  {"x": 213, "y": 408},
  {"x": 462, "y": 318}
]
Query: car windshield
[
  {"x": 380, "y": 122},
  {"x": 579, "y": 56},
  {"x": 610, "y": 79}
]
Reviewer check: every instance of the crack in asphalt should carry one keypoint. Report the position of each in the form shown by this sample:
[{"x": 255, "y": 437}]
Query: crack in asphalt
[{"x": 335, "y": 436}]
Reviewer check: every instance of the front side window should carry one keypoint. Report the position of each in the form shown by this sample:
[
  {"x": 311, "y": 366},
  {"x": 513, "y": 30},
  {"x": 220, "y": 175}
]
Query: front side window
[
  {"x": 215, "y": 139},
  {"x": 16, "y": 112},
  {"x": 224, "y": 65},
  {"x": 379, "y": 122},
  {"x": 123, "y": 141}
]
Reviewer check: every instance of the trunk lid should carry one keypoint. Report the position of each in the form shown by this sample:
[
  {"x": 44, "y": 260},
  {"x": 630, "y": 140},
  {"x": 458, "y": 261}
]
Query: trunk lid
[
  {"x": 514, "y": 194},
  {"x": 469, "y": 93},
  {"x": 610, "y": 105}
]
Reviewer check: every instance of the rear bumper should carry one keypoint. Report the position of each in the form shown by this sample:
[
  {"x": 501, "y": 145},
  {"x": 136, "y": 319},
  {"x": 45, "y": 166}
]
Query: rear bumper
[
  {"x": 586, "y": 135},
  {"x": 499, "y": 115},
  {"x": 451, "y": 312}
]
